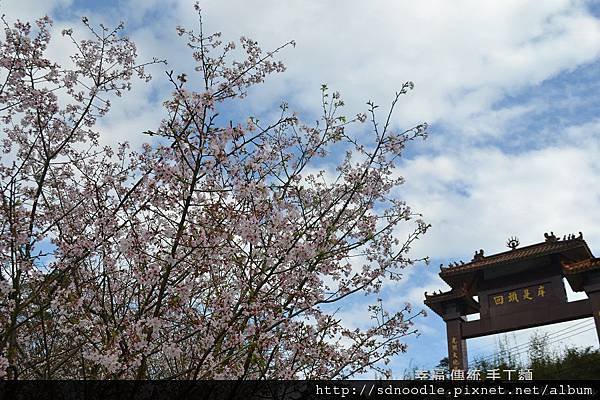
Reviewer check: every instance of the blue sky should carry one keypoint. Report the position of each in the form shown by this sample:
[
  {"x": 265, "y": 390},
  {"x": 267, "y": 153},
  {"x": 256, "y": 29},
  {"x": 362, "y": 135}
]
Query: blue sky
[{"x": 511, "y": 90}]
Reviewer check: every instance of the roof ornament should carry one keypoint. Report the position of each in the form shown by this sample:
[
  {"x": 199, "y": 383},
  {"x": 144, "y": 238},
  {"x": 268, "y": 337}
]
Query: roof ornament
[
  {"x": 573, "y": 237},
  {"x": 512, "y": 243},
  {"x": 551, "y": 237},
  {"x": 478, "y": 255}
]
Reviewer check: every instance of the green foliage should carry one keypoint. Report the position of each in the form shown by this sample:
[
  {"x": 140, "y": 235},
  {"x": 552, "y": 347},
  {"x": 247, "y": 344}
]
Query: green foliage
[
  {"x": 544, "y": 362},
  {"x": 573, "y": 363},
  {"x": 503, "y": 359},
  {"x": 443, "y": 364}
]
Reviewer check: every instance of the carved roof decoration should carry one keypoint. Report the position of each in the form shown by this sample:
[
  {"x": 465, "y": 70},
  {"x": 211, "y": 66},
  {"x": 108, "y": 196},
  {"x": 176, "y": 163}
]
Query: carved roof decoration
[
  {"x": 551, "y": 237},
  {"x": 439, "y": 296},
  {"x": 551, "y": 245},
  {"x": 513, "y": 242},
  {"x": 478, "y": 255}
]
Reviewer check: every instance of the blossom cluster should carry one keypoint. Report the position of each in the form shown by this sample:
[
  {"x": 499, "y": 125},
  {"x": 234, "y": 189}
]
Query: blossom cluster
[{"x": 213, "y": 251}]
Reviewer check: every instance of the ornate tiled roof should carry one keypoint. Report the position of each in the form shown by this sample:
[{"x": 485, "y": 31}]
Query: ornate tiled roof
[
  {"x": 460, "y": 296},
  {"x": 442, "y": 296},
  {"x": 552, "y": 245},
  {"x": 581, "y": 266},
  {"x": 574, "y": 272}
]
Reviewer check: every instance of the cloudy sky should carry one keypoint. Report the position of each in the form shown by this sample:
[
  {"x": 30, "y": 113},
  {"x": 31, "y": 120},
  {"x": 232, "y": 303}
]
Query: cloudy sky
[{"x": 511, "y": 90}]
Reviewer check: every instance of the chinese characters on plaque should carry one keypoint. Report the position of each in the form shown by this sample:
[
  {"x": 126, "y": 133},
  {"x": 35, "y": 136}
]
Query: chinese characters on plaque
[
  {"x": 454, "y": 347},
  {"x": 522, "y": 295}
]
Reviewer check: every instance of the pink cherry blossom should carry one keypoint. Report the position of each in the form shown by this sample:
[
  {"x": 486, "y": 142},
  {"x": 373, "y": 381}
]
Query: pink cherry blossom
[{"x": 215, "y": 250}]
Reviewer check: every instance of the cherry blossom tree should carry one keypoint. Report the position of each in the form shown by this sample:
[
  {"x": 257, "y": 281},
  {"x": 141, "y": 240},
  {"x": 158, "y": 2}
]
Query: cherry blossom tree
[{"x": 215, "y": 250}]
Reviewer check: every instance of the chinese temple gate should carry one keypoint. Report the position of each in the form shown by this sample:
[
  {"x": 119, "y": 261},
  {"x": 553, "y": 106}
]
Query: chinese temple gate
[{"x": 517, "y": 289}]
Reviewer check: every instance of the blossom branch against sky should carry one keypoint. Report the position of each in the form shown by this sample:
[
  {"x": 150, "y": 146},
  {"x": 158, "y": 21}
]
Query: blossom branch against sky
[{"x": 510, "y": 90}]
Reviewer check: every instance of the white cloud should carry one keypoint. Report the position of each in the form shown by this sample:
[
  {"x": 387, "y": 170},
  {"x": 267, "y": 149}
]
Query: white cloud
[
  {"x": 462, "y": 57},
  {"x": 30, "y": 10},
  {"x": 477, "y": 199}
]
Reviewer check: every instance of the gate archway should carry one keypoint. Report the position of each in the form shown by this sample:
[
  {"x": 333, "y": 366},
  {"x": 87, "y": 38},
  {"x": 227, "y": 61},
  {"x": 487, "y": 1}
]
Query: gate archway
[{"x": 517, "y": 289}]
